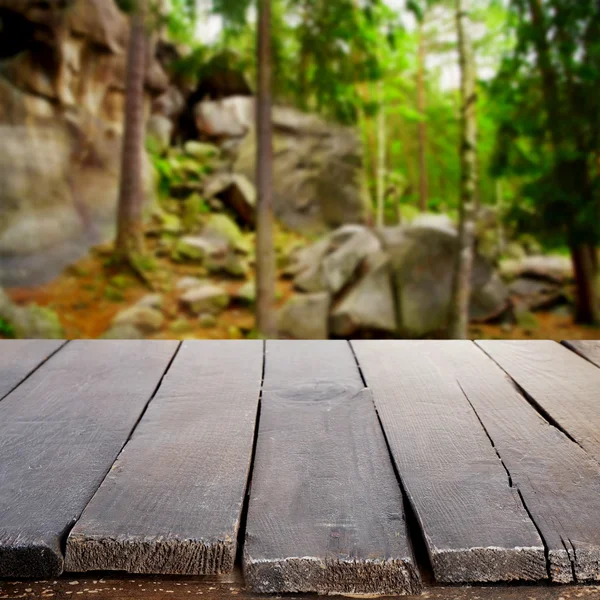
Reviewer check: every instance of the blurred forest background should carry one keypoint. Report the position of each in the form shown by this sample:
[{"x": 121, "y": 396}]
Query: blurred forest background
[{"x": 299, "y": 168}]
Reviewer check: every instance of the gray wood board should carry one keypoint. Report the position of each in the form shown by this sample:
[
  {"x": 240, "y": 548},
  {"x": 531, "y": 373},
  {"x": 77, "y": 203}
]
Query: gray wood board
[
  {"x": 19, "y": 358},
  {"x": 558, "y": 481},
  {"x": 589, "y": 349},
  {"x": 60, "y": 432},
  {"x": 173, "y": 500},
  {"x": 475, "y": 526},
  {"x": 566, "y": 387},
  {"x": 326, "y": 512}
]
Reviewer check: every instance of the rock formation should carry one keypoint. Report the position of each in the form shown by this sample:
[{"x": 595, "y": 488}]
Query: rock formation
[
  {"x": 318, "y": 167},
  {"x": 62, "y": 83},
  {"x": 397, "y": 282}
]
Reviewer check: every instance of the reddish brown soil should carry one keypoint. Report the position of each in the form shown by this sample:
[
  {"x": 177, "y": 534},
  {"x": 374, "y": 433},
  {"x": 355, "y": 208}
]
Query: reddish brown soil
[
  {"x": 84, "y": 298},
  {"x": 89, "y": 294}
]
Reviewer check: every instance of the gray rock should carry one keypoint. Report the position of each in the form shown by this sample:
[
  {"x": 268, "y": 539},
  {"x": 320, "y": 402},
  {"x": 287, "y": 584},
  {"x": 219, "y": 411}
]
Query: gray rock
[
  {"x": 207, "y": 320},
  {"x": 30, "y": 322},
  {"x": 236, "y": 191},
  {"x": 318, "y": 167},
  {"x": 208, "y": 298},
  {"x": 197, "y": 248},
  {"x": 222, "y": 230},
  {"x": 558, "y": 269},
  {"x": 186, "y": 283},
  {"x": 305, "y": 317},
  {"x": 61, "y": 124},
  {"x": 146, "y": 319},
  {"x": 423, "y": 261},
  {"x": 123, "y": 332},
  {"x": 534, "y": 294},
  {"x": 160, "y": 130},
  {"x": 155, "y": 301},
  {"x": 231, "y": 264},
  {"x": 349, "y": 247},
  {"x": 331, "y": 263},
  {"x": 489, "y": 301},
  {"x": 200, "y": 150},
  {"x": 369, "y": 304},
  {"x": 307, "y": 267},
  {"x": 247, "y": 292}
]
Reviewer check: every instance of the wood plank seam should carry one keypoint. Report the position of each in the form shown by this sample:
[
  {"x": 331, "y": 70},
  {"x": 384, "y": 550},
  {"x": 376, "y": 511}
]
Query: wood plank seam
[
  {"x": 510, "y": 481},
  {"x": 244, "y": 513},
  {"x": 422, "y": 559},
  {"x": 557, "y": 480},
  {"x": 178, "y": 446},
  {"x": 65, "y": 536},
  {"x": 573, "y": 348},
  {"x": 329, "y": 552},
  {"x": 532, "y": 401},
  {"x": 34, "y": 370},
  {"x": 483, "y": 559}
]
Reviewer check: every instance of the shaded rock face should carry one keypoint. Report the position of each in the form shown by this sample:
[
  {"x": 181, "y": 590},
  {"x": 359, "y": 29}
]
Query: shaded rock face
[
  {"x": 398, "y": 282},
  {"x": 318, "y": 167},
  {"x": 422, "y": 261},
  {"x": 62, "y": 80}
]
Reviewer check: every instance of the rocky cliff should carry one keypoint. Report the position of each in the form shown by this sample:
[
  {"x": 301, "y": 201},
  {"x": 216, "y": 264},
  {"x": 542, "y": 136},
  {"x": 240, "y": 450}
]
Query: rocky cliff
[{"x": 62, "y": 86}]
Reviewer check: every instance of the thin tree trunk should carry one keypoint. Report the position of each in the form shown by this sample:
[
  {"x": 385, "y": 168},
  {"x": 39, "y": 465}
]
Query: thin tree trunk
[
  {"x": 381, "y": 155},
  {"x": 265, "y": 255},
  {"x": 500, "y": 217},
  {"x": 587, "y": 309},
  {"x": 130, "y": 240},
  {"x": 461, "y": 288},
  {"x": 423, "y": 183}
]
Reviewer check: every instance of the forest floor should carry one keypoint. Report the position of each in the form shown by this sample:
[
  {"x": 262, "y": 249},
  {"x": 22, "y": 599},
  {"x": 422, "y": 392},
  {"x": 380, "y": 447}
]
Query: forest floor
[{"x": 89, "y": 294}]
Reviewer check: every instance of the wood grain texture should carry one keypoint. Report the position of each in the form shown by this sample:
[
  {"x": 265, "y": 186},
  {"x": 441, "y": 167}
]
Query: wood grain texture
[
  {"x": 589, "y": 349},
  {"x": 173, "y": 499},
  {"x": 60, "y": 432},
  {"x": 558, "y": 481},
  {"x": 475, "y": 526},
  {"x": 566, "y": 387},
  {"x": 326, "y": 512},
  {"x": 19, "y": 358}
]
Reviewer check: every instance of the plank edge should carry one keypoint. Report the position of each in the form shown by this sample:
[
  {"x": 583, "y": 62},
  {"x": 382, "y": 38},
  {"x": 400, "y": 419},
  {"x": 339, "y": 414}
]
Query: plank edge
[
  {"x": 393, "y": 576},
  {"x": 149, "y": 555}
]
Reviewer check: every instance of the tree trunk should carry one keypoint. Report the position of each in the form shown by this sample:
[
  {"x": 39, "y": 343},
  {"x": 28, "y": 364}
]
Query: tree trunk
[
  {"x": 130, "y": 240},
  {"x": 423, "y": 187},
  {"x": 461, "y": 288},
  {"x": 381, "y": 155},
  {"x": 584, "y": 265},
  {"x": 265, "y": 255},
  {"x": 500, "y": 218}
]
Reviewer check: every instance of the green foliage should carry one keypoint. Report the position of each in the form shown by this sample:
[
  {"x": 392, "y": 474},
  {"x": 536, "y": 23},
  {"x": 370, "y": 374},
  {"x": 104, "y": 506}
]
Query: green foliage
[
  {"x": 6, "y": 329},
  {"x": 548, "y": 113}
]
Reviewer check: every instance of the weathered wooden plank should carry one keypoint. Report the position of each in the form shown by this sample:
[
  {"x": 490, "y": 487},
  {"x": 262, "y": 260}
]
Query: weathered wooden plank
[
  {"x": 60, "y": 432},
  {"x": 558, "y": 481},
  {"x": 589, "y": 349},
  {"x": 18, "y": 358},
  {"x": 325, "y": 510},
  {"x": 173, "y": 499},
  {"x": 475, "y": 526},
  {"x": 566, "y": 387}
]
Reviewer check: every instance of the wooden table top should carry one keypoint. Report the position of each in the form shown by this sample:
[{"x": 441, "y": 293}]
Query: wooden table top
[{"x": 245, "y": 467}]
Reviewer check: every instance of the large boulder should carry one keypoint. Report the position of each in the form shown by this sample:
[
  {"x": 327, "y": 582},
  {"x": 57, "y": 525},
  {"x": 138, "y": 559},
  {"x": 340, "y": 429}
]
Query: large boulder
[
  {"x": 304, "y": 317},
  {"x": 369, "y": 304},
  {"x": 333, "y": 262},
  {"x": 558, "y": 269},
  {"x": 62, "y": 89},
  {"x": 318, "y": 167},
  {"x": 422, "y": 262}
]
